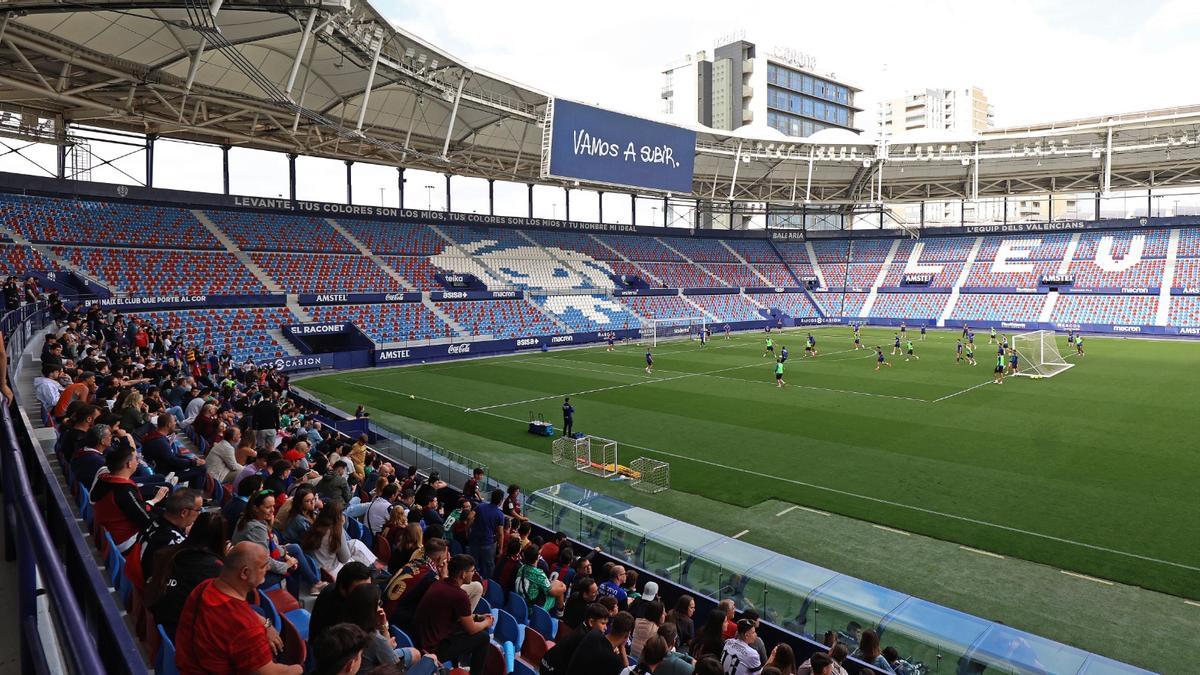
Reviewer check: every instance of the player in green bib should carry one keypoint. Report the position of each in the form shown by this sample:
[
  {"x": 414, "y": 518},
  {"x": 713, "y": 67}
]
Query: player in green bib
[
  {"x": 909, "y": 346},
  {"x": 779, "y": 373},
  {"x": 1079, "y": 344},
  {"x": 998, "y": 373},
  {"x": 770, "y": 347},
  {"x": 971, "y": 354},
  {"x": 992, "y": 336}
]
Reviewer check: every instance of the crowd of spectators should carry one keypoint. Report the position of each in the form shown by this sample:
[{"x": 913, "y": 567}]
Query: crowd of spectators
[{"x": 218, "y": 487}]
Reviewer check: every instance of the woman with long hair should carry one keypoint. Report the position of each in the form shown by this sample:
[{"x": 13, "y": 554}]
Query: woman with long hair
[
  {"x": 298, "y": 515},
  {"x": 176, "y": 570},
  {"x": 362, "y": 609},
  {"x": 207, "y": 425},
  {"x": 255, "y": 526},
  {"x": 406, "y": 545},
  {"x": 710, "y": 640},
  {"x": 783, "y": 658},
  {"x": 646, "y": 626},
  {"x": 327, "y": 543},
  {"x": 869, "y": 651},
  {"x": 681, "y": 616}
]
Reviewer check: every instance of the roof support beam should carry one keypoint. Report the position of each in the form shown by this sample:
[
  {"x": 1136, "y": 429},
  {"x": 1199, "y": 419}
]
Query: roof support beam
[
  {"x": 737, "y": 160},
  {"x": 1106, "y": 184},
  {"x": 366, "y": 97},
  {"x": 308, "y": 26},
  {"x": 462, "y": 80}
]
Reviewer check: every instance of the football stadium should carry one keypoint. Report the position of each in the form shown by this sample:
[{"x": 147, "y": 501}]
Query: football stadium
[{"x": 332, "y": 348}]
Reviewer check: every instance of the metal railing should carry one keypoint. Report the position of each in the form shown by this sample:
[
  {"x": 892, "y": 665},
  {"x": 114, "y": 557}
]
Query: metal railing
[{"x": 53, "y": 559}]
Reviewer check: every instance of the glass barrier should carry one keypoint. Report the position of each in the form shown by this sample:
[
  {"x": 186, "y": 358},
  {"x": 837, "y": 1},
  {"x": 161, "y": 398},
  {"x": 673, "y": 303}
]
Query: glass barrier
[{"x": 805, "y": 598}]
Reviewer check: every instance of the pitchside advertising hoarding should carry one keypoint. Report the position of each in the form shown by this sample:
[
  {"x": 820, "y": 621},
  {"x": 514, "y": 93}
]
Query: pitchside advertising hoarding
[{"x": 600, "y": 146}]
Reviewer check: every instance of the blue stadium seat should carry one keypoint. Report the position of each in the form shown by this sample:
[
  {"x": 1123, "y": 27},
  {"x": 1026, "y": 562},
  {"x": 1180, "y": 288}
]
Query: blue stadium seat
[
  {"x": 517, "y": 607},
  {"x": 164, "y": 663}
]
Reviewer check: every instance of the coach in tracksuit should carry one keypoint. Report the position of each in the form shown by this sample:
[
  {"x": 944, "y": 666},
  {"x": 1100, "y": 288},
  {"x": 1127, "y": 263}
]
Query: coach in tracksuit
[{"x": 568, "y": 417}]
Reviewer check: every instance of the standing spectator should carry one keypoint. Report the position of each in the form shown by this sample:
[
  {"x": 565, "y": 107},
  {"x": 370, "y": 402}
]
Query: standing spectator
[
  {"x": 447, "y": 626},
  {"x": 118, "y": 504},
  {"x": 512, "y": 504},
  {"x": 221, "y": 462},
  {"x": 339, "y": 650},
  {"x": 486, "y": 532},
  {"x": 600, "y": 654},
  {"x": 170, "y": 527},
  {"x": 739, "y": 657},
  {"x": 471, "y": 490},
  {"x": 869, "y": 652},
  {"x": 653, "y": 653},
  {"x": 612, "y": 587},
  {"x": 675, "y": 662},
  {"x": 223, "y": 633},
  {"x": 646, "y": 627},
  {"x": 266, "y": 421},
  {"x": 681, "y": 616}
]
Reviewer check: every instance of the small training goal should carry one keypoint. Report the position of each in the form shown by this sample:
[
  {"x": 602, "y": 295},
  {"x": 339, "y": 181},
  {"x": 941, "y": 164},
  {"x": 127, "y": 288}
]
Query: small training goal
[
  {"x": 649, "y": 475},
  {"x": 1039, "y": 355},
  {"x": 589, "y": 454}
]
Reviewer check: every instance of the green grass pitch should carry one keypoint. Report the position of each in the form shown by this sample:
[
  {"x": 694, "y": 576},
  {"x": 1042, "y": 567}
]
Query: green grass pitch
[{"x": 1096, "y": 470}]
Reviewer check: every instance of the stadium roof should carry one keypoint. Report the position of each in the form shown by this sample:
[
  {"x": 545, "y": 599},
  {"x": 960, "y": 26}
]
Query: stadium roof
[{"x": 335, "y": 79}]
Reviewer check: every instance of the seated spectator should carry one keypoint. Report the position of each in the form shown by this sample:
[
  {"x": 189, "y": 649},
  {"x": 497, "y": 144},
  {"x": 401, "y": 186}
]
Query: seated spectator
[
  {"x": 160, "y": 450},
  {"x": 556, "y": 660},
  {"x": 389, "y": 534},
  {"x": 255, "y": 526},
  {"x": 730, "y": 627},
  {"x": 83, "y": 389},
  {"x": 821, "y": 664},
  {"x": 708, "y": 666},
  {"x": 710, "y": 639},
  {"x": 783, "y": 658},
  {"x": 256, "y": 466},
  {"x": 363, "y": 610},
  {"x": 338, "y": 650},
  {"x": 79, "y": 422},
  {"x": 583, "y": 593},
  {"x": 600, "y": 654},
  {"x": 648, "y": 595},
  {"x": 333, "y": 486},
  {"x": 533, "y": 585},
  {"x": 207, "y": 425},
  {"x": 176, "y": 570},
  {"x": 751, "y": 614},
  {"x": 646, "y": 626},
  {"x": 329, "y": 544},
  {"x": 133, "y": 415},
  {"x": 170, "y": 526},
  {"x": 224, "y": 634},
  {"x": 277, "y": 480},
  {"x": 681, "y": 617},
  {"x": 652, "y": 655},
  {"x": 738, "y": 656},
  {"x": 297, "y": 516},
  {"x": 329, "y": 609},
  {"x": 379, "y": 510},
  {"x": 47, "y": 388},
  {"x": 119, "y": 507},
  {"x": 612, "y": 588},
  {"x": 510, "y": 563},
  {"x": 358, "y": 455},
  {"x": 675, "y": 662},
  {"x": 869, "y": 652},
  {"x": 407, "y": 586},
  {"x": 448, "y": 628},
  {"x": 221, "y": 462},
  {"x": 233, "y": 510},
  {"x": 406, "y": 545},
  {"x": 89, "y": 460}
]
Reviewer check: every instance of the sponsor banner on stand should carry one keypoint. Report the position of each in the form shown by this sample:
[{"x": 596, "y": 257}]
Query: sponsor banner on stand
[
  {"x": 475, "y": 295},
  {"x": 317, "y": 328},
  {"x": 184, "y": 301},
  {"x": 724, "y": 290},
  {"x": 357, "y": 298},
  {"x": 624, "y": 292},
  {"x": 773, "y": 289}
]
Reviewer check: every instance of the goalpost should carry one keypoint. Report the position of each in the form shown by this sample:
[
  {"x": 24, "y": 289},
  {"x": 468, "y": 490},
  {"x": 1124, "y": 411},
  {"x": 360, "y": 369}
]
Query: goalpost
[
  {"x": 654, "y": 331},
  {"x": 1039, "y": 355},
  {"x": 589, "y": 454}
]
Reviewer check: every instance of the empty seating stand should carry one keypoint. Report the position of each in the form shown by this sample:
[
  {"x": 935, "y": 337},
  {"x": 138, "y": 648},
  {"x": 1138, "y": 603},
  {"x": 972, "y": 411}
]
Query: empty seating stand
[
  {"x": 661, "y": 307},
  {"x": 277, "y": 232},
  {"x": 1106, "y": 309},
  {"x": 319, "y": 273},
  {"x": 388, "y": 322},
  {"x": 240, "y": 331},
  {"x": 406, "y": 239},
  {"x": 835, "y": 303},
  {"x": 793, "y": 304},
  {"x": 584, "y": 313},
  {"x": 998, "y": 307},
  {"x": 909, "y": 305},
  {"x": 729, "y": 307},
  {"x": 502, "y": 319},
  {"x": 158, "y": 272},
  {"x": 47, "y": 220}
]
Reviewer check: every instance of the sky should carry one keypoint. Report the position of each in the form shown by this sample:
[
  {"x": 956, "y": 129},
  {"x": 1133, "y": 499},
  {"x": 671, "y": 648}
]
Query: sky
[{"x": 1036, "y": 60}]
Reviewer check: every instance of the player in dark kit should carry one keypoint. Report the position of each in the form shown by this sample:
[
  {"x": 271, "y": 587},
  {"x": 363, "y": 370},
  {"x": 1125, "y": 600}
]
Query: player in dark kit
[
  {"x": 649, "y": 362},
  {"x": 568, "y": 417},
  {"x": 922, "y": 333},
  {"x": 879, "y": 359},
  {"x": 896, "y": 345}
]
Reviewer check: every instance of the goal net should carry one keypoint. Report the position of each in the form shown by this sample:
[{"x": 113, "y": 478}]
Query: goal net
[
  {"x": 650, "y": 475},
  {"x": 654, "y": 331},
  {"x": 1039, "y": 355},
  {"x": 589, "y": 454}
]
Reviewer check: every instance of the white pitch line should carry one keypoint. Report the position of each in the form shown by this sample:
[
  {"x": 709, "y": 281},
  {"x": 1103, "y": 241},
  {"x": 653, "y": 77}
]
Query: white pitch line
[
  {"x": 787, "y": 511},
  {"x": 1193, "y": 603},
  {"x": 1085, "y": 577},
  {"x": 981, "y": 384},
  {"x": 819, "y": 513},
  {"x": 741, "y": 534},
  {"x": 892, "y": 529},
  {"x": 982, "y": 552},
  {"x": 855, "y": 495}
]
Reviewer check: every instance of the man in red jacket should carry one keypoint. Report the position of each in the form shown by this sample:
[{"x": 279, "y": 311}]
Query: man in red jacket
[{"x": 117, "y": 500}]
